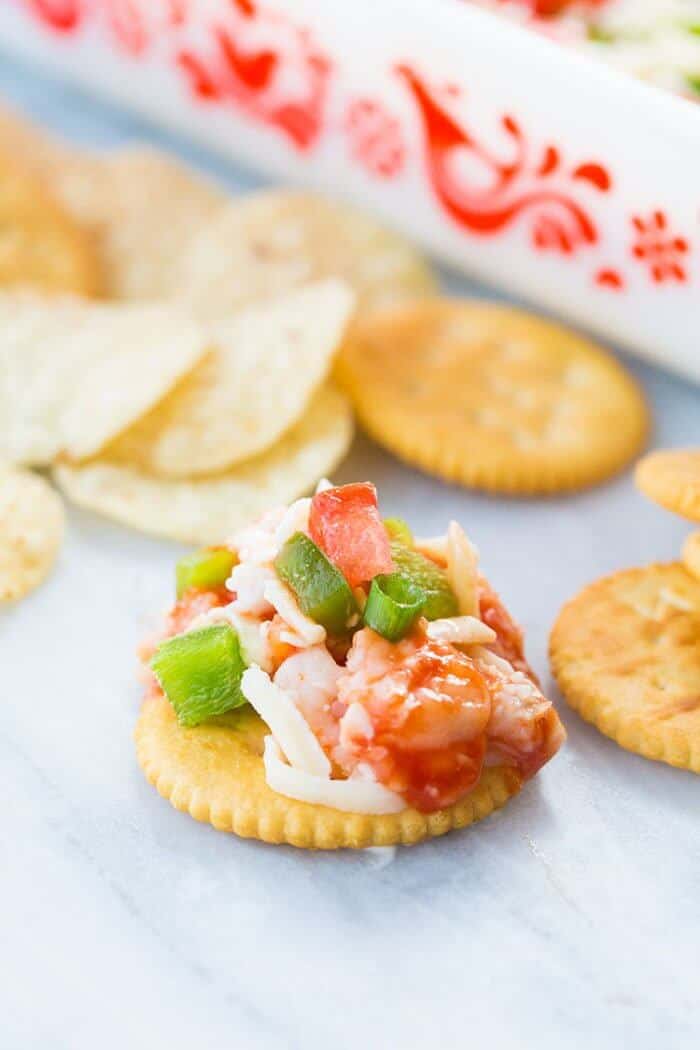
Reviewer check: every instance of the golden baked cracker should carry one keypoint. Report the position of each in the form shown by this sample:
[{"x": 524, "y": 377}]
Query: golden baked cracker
[
  {"x": 671, "y": 478},
  {"x": 207, "y": 510},
  {"x": 40, "y": 246},
  {"x": 492, "y": 397},
  {"x": 74, "y": 374},
  {"x": 31, "y": 530},
  {"x": 626, "y": 655},
  {"x": 265, "y": 366},
  {"x": 265, "y": 243},
  {"x": 215, "y": 773},
  {"x": 691, "y": 554}
]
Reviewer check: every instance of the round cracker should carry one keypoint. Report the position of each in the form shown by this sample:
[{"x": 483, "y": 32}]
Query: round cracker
[
  {"x": 626, "y": 655},
  {"x": 266, "y": 243},
  {"x": 40, "y": 246},
  {"x": 215, "y": 773},
  {"x": 492, "y": 397},
  {"x": 208, "y": 510},
  {"x": 32, "y": 523},
  {"x": 265, "y": 366},
  {"x": 691, "y": 554},
  {"x": 671, "y": 478}
]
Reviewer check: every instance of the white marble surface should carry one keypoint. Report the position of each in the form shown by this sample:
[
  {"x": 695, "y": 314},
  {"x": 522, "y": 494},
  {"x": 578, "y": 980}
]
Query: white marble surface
[{"x": 571, "y": 919}]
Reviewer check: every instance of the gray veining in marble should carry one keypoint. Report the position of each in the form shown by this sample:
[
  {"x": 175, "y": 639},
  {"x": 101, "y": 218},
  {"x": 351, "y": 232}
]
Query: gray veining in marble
[{"x": 569, "y": 920}]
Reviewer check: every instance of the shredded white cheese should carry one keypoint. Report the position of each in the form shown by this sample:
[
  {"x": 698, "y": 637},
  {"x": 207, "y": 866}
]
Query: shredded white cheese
[
  {"x": 461, "y": 630},
  {"x": 283, "y": 601},
  {"x": 287, "y": 724},
  {"x": 462, "y": 560},
  {"x": 248, "y": 581},
  {"x": 351, "y": 796},
  {"x": 296, "y": 519}
]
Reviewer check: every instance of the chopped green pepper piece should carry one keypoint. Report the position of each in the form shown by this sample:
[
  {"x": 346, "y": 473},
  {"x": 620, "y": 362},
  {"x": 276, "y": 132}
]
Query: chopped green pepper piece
[
  {"x": 322, "y": 591},
  {"x": 205, "y": 569},
  {"x": 200, "y": 673},
  {"x": 393, "y": 605},
  {"x": 398, "y": 529},
  {"x": 440, "y": 599}
]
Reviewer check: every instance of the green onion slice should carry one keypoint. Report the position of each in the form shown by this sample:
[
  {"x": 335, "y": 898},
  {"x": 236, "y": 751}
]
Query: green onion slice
[
  {"x": 205, "y": 569},
  {"x": 393, "y": 605},
  {"x": 200, "y": 673},
  {"x": 440, "y": 599},
  {"x": 399, "y": 529},
  {"x": 322, "y": 591}
]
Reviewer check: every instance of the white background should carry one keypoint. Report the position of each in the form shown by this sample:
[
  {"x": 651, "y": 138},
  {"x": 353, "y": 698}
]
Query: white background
[{"x": 569, "y": 920}]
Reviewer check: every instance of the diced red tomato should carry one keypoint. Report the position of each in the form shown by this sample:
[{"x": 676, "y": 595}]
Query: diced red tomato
[{"x": 344, "y": 522}]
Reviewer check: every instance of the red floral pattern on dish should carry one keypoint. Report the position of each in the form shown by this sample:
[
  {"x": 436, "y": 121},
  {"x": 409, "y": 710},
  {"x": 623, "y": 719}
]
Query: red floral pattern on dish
[
  {"x": 61, "y": 15},
  {"x": 267, "y": 66},
  {"x": 608, "y": 277},
  {"x": 661, "y": 251},
  {"x": 511, "y": 187},
  {"x": 272, "y": 69},
  {"x": 375, "y": 136}
]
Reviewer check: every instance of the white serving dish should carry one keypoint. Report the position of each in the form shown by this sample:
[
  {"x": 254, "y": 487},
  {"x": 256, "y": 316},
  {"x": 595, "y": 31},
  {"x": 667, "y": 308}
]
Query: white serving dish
[{"x": 532, "y": 167}]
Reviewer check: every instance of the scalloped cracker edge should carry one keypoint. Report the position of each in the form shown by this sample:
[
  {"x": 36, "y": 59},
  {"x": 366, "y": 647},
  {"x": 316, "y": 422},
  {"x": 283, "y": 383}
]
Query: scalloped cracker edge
[
  {"x": 626, "y": 655},
  {"x": 215, "y": 773}
]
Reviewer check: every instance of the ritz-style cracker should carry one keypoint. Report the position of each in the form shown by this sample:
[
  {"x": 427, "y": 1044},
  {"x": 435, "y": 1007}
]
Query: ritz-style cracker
[
  {"x": 492, "y": 397},
  {"x": 215, "y": 773},
  {"x": 626, "y": 655}
]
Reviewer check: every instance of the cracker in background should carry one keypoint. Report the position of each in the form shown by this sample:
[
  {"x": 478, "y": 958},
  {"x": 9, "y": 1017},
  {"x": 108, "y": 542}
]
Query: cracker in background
[
  {"x": 215, "y": 773},
  {"x": 208, "y": 510},
  {"x": 31, "y": 531},
  {"x": 265, "y": 243},
  {"x": 40, "y": 245},
  {"x": 74, "y": 374},
  {"x": 691, "y": 554},
  {"x": 626, "y": 655},
  {"x": 266, "y": 364},
  {"x": 492, "y": 397},
  {"x": 671, "y": 478}
]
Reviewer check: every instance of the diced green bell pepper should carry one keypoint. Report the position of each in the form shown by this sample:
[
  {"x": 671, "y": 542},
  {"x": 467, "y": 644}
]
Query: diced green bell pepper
[
  {"x": 399, "y": 530},
  {"x": 205, "y": 569},
  {"x": 440, "y": 599},
  {"x": 200, "y": 673},
  {"x": 322, "y": 591}
]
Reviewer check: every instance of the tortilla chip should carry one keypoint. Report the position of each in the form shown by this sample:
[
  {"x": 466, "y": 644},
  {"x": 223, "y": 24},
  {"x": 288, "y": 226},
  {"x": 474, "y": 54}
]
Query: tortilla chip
[
  {"x": 74, "y": 374},
  {"x": 31, "y": 531},
  {"x": 265, "y": 243},
  {"x": 208, "y": 510},
  {"x": 41, "y": 246},
  {"x": 141, "y": 207},
  {"x": 245, "y": 394}
]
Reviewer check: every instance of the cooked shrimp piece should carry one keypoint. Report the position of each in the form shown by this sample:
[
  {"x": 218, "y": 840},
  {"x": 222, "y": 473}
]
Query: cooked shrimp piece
[
  {"x": 310, "y": 678},
  {"x": 524, "y": 730},
  {"x": 193, "y": 603},
  {"x": 428, "y": 708},
  {"x": 509, "y": 636}
]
